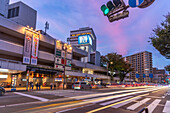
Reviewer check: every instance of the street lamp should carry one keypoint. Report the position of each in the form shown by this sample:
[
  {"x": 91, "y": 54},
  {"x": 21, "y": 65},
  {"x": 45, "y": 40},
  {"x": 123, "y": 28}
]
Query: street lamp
[{"x": 108, "y": 67}]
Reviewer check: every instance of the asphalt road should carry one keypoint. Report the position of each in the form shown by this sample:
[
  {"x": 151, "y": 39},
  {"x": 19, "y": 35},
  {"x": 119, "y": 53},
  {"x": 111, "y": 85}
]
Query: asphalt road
[{"x": 130, "y": 100}]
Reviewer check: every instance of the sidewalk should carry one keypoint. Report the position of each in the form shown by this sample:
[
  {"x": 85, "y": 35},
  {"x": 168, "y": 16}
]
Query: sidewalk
[{"x": 24, "y": 89}]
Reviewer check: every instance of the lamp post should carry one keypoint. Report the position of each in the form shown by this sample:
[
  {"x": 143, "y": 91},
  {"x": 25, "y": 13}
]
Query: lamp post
[{"x": 108, "y": 67}]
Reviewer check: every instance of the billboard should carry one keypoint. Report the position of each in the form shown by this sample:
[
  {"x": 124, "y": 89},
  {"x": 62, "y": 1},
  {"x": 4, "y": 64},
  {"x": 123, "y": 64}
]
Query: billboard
[
  {"x": 27, "y": 47},
  {"x": 84, "y": 39},
  {"x": 35, "y": 45}
]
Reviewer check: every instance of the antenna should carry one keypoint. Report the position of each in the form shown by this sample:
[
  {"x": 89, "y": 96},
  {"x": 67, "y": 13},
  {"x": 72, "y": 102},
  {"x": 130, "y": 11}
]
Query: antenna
[{"x": 46, "y": 26}]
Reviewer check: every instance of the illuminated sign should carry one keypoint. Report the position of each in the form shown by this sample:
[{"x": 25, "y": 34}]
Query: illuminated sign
[
  {"x": 81, "y": 34},
  {"x": 27, "y": 47},
  {"x": 35, "y": 44},
  {"x": 84, "y": 39},
  {"x": 3, "y": 76}
]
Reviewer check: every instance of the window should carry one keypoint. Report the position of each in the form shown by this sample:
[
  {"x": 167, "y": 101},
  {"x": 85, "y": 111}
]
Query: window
[{"x": 13, "y": 12}]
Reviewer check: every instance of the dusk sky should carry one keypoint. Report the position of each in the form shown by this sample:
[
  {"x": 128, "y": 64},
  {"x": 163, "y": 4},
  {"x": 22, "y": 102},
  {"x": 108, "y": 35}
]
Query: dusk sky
[{"x": 126, "y": 37}]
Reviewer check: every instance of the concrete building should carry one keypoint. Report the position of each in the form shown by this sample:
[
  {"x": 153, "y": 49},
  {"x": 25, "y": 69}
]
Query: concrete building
[
  {"x": 22, "y": 14},
  {"x": 142, "y": 65},
  {"x": 43, "y": 58},
  {"x": 85, "y": 39},
  {"x": 159, "y": 75},
  {"x": 4, "y": 7}
]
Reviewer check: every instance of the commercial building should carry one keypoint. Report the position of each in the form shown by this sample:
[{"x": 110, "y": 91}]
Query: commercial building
[
  {"x": 85, "y": 39},
  {"x": 142, "y": 65},
  {"x": 27, "y": 54},
  {"x": 159, "y": 75}
]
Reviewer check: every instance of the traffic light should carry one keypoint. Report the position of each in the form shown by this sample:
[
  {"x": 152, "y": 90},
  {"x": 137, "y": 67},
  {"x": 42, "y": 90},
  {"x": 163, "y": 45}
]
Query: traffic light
[
  {"x": 117, "y": 3},
  {"x": 105, "y": 9},
  {"x": 110, "y": 5}
]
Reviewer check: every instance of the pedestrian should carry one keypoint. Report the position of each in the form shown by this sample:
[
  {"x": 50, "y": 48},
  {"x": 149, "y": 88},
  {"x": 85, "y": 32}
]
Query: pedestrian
[
  {"x": 51, "y": 86},
  {"x": 54, "y": 86},
  {"x": 37, "y": 86},
  {"x": 32, "y": 85}
]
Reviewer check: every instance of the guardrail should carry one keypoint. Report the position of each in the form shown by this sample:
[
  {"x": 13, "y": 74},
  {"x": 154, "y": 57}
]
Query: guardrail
[{"x": 144, "y": 109}]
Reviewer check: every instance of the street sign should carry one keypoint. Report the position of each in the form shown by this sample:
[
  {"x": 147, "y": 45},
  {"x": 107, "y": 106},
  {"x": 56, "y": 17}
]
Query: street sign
[
  {"x": 144, "y": 76},
  {"x": 137, "y": 75},
  {"x": 146, "y": 3},
  {"x": 150, "y": 75},
  {"x": 135, "y": 3}
]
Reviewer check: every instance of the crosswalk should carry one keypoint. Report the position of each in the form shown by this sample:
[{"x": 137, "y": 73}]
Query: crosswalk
[{"x": 139, "y": 103}]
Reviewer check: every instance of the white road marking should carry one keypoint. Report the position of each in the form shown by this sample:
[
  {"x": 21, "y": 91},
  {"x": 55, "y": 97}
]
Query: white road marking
[
  {"x": 124, "y": 103},
  {"x": 153, "y": 105},
  {"x": 167, "y": 107},
  {"x": 113, "y": 101},
  {"x": 136, "y": 105},
  {"x": 31, "y": 96}
]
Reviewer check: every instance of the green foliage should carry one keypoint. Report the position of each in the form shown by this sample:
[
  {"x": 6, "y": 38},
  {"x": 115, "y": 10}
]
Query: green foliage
[
  {"x": 160, "y": 38},
  {"x": 116, "y": 63},
  {"x": 167, "y": 68}
]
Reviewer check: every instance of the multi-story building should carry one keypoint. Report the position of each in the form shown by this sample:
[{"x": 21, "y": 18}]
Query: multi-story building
[
  {"x": 29, "y": 54},
  {"x": 85, "y": 39},
  {"x": 4, "y": 7},
  {"x": 159, "y": 75},
  {"x": 142, "y": 65},
  {"x": 22, "y": 14}
]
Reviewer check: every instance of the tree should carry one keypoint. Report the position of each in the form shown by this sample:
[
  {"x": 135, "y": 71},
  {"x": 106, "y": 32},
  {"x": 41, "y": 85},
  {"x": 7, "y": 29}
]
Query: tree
[
  {"x": 167, "y": 68},
  {"x": 160, "y": 38},
  {"x": 116, "y": 63}
]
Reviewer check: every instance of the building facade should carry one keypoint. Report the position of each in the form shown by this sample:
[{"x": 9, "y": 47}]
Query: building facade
[
  {"x": 142, "y": 65},
  {"x": 85, "y": 39},
  {"x": 27, "y": 54},
  {"x": 159, "y": 75}
]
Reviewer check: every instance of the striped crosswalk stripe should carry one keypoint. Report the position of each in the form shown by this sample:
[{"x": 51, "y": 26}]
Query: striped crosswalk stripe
[
  {"x": 153, "y": 105},
  {"x": 124, "y": 103},
  {"x": 113, "y": 101},
  {"x": 136, "y": 105},
  {"x": 167, "y": 107}
]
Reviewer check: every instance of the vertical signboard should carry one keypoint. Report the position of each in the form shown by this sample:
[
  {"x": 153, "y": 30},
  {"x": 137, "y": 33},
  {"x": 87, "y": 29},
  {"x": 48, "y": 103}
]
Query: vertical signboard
[
  {"x": 35, "y": 45},
  {"x": 27, "y": 47}
]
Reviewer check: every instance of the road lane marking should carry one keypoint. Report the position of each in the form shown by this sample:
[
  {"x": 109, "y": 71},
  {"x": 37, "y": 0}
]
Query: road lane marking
[
  {"x": 51, "y": 105},
  {"x": 136, "y": 105},
  {"x": 167, "y": 107},
  {"x": 110, "y": 102},
  {"x": 74, "y": 108},
  {"x": 153, "y": 105},
  {"x": 34, "y": 97},
  {"x": 100, "y": 99},
  {"x": 103, "y": 94},
  {"x": 95, "y": 110},
  {"x": 124, "y": 103}
]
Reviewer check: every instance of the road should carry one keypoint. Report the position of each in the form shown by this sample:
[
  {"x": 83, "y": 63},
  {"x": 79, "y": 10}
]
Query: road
[{"x": 130, "y": 100}]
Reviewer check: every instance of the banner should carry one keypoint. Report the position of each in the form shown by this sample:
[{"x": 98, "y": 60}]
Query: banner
[
  {"x": 27, "y": 47},
  {"x": 35, "y": 45}
]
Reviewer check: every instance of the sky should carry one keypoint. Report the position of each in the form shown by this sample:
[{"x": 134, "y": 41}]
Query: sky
[{"x": 126, "y": 37}]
